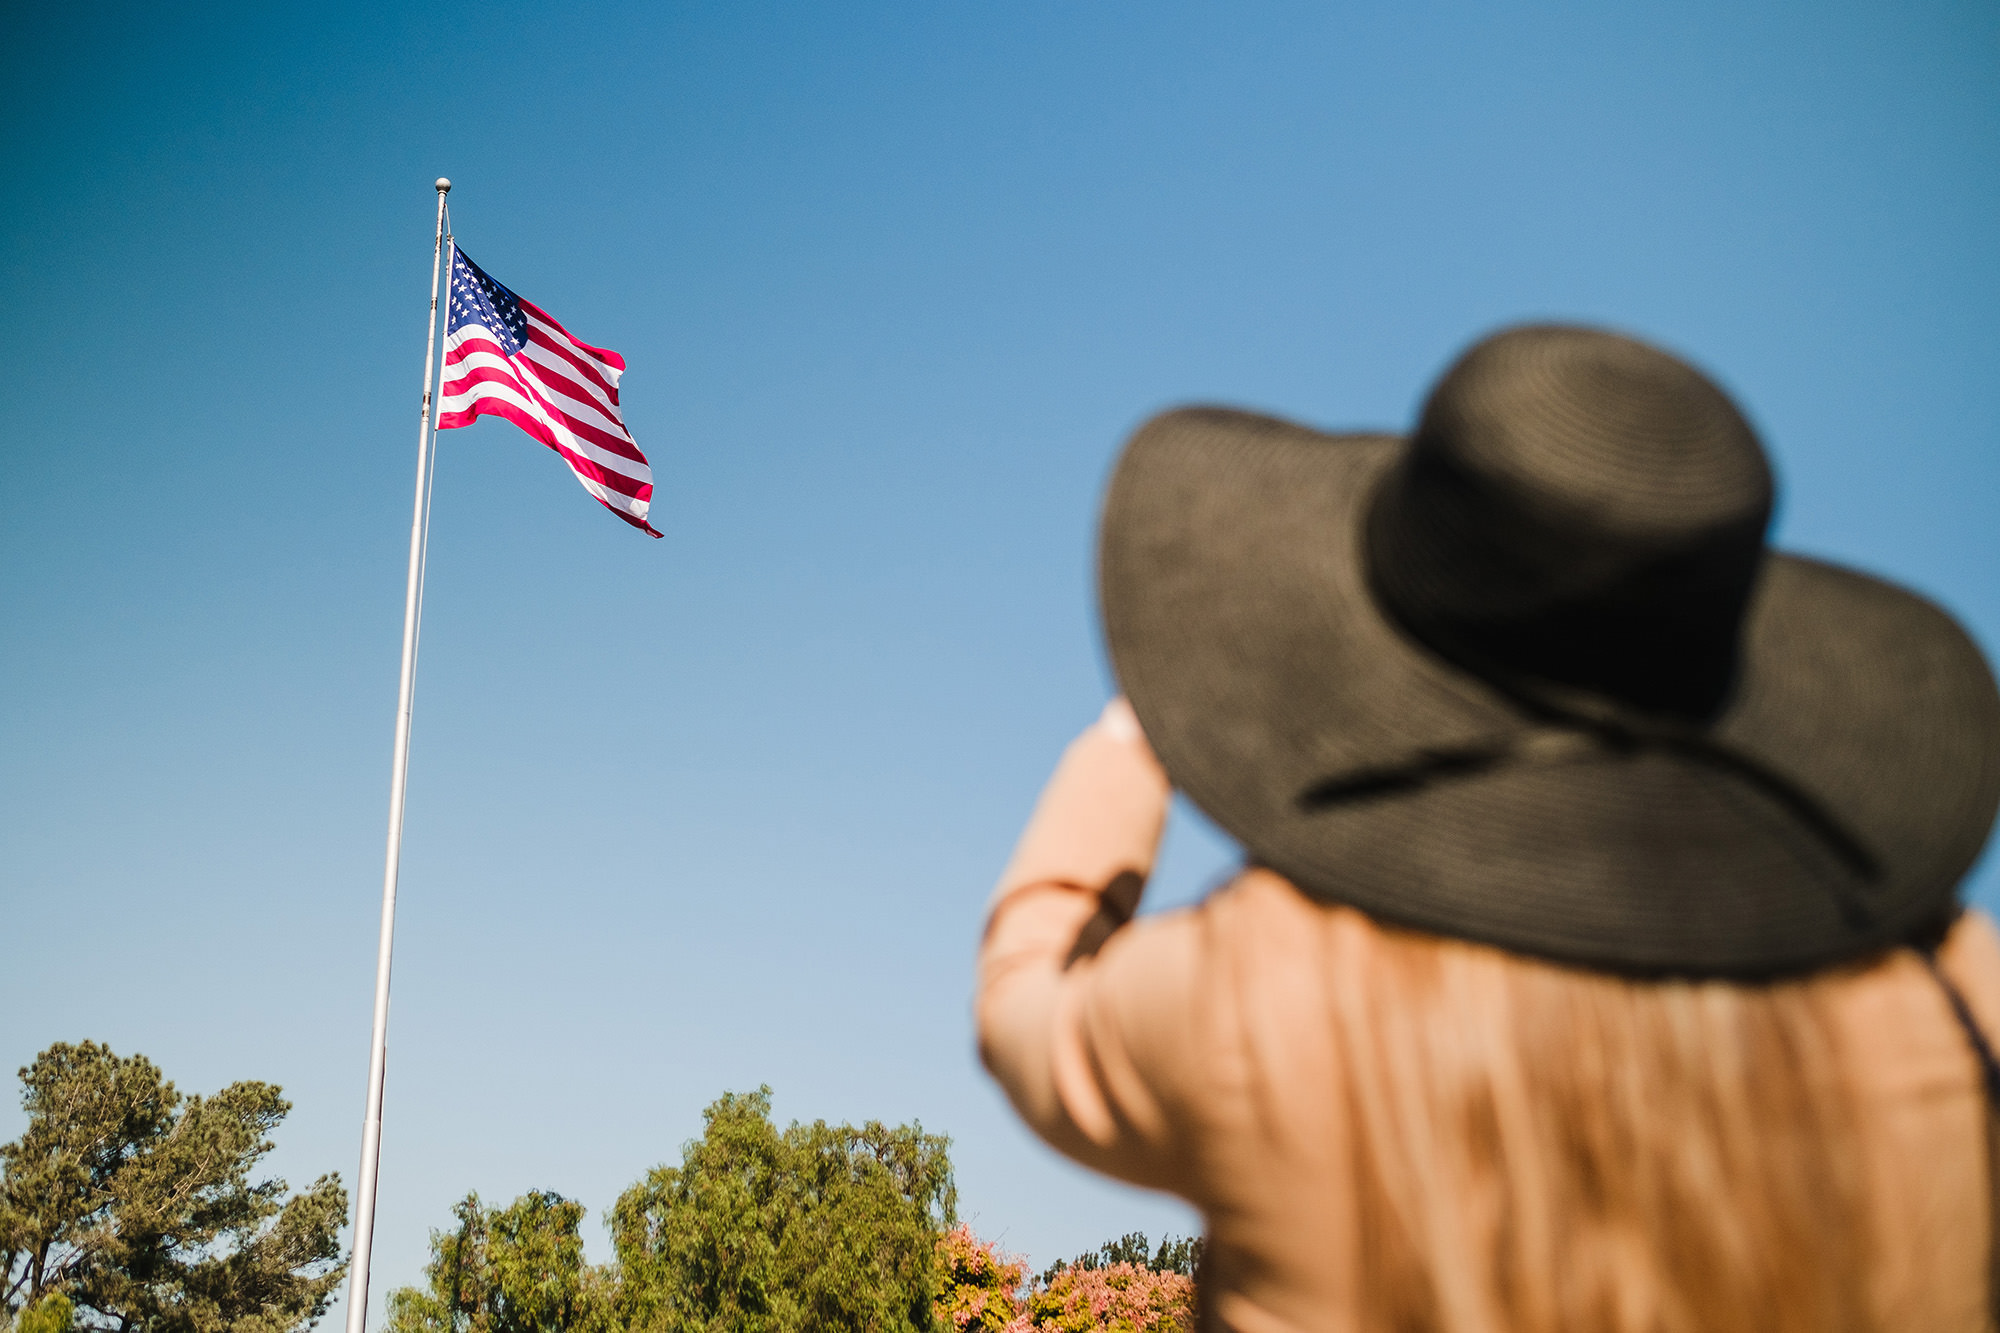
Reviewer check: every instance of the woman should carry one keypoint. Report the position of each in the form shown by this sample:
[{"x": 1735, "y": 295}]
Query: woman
[{"x": 1598, "y": 964}]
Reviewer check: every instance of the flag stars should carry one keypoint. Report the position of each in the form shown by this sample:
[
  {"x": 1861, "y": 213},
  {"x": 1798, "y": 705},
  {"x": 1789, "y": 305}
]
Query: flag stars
[{"x": 479, "y": 301}]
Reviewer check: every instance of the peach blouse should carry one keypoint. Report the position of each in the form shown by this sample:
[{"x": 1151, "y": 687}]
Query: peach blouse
[{"x": 1177, "y": 1052}]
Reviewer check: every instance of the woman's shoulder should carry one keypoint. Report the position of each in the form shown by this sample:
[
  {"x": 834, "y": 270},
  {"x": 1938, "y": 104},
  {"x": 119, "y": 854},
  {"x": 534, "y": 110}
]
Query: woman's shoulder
[{"x": 1970, "y": 956}]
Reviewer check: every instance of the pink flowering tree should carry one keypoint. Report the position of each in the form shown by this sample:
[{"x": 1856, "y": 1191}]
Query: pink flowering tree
[
  {"x": 1117, "y": 1298},
  {"x": 985, "y": 1291},
  {"x": 980, "y": 1288}
]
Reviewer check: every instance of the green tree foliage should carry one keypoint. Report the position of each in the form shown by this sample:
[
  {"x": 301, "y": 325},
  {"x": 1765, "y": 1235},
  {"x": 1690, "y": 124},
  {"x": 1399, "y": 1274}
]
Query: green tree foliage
[
  {"x": 53, "y": 1313},
  {"x": 1176, "y": 1254},
  {"x": 127, "y": 1206},
  {"x": 820, "y": 1228},
  {"x": 811, "y": 1229},
  {"x": 517, "y": 1269}
]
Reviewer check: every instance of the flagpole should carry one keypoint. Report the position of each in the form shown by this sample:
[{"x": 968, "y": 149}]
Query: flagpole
[{"x": 378, "y": 1054}]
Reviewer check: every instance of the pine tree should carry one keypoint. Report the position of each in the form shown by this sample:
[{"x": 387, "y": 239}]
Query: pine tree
[{"x": 128, "y": 1207}]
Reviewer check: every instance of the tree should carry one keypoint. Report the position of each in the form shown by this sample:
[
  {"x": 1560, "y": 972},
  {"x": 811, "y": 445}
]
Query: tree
[
  {"x": 1113, "y": 1298},
  {"x": 980, "y": 1287},
  {"x": 517, "y": 1269},
  {"x": 127, "y": 1206},
  {"x": 1123, "y": 1286},
  {"x": 1177, "y": 1254},
  {"x": 820, "y": 1227},
  {"x": 812, "y": 1229}
]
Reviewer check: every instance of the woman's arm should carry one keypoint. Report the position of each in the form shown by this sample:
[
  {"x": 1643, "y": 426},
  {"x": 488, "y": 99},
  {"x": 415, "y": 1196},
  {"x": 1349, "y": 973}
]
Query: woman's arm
[{"x": 1047, "y": 1030}]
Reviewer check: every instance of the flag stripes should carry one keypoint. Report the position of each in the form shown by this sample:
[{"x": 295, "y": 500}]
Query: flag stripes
[{"x": 507, "y": 357}]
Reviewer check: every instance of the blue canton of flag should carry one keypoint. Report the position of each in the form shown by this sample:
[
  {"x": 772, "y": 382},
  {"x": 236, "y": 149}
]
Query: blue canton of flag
[{"x": 478, "y": 299}]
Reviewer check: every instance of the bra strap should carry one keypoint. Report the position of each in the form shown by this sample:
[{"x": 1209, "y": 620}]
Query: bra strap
[{"x": 1989, "y": 1069}]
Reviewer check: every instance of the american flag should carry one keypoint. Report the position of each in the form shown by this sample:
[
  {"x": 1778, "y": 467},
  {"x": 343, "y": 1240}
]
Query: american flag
[{"x": 507, "y": 357}]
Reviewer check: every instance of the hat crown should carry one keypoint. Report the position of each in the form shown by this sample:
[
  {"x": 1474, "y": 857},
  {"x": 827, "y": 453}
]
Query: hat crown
[{"x": 1577, "y": 510}]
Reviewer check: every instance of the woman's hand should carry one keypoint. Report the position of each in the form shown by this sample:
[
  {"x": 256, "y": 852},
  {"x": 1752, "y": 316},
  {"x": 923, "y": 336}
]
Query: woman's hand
[{"x": 1097, "y": 826}]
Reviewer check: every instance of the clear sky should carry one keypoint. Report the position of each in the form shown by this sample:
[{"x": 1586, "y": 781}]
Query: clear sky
[{"x": 893, "y": 282}]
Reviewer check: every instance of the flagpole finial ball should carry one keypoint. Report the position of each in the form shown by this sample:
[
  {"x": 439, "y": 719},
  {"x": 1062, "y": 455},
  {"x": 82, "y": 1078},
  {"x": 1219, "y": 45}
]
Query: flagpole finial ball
[{"x": 443, "y": 185}]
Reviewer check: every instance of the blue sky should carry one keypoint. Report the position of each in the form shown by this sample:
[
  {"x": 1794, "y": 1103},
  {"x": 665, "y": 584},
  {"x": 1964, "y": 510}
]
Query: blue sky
[{"x": 893, "y": 282}]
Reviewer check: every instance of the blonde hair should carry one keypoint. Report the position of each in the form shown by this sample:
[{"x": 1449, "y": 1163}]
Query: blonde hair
[{"x": 1541, "y": 1148}]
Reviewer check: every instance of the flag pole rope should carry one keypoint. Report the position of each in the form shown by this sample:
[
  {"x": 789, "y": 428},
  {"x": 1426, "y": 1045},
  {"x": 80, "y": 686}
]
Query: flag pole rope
[
  {"x": 431, "y": 417},
  {"x": 371, "y": 1124}
]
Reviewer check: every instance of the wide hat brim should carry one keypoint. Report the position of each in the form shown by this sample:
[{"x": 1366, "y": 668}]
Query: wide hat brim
[{"x": 1241, "y": 626}]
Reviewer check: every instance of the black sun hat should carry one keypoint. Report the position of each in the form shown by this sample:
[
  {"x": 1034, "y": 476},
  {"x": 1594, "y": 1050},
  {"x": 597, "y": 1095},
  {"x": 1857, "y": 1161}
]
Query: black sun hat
[{"x": 1529, "y": 676}]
